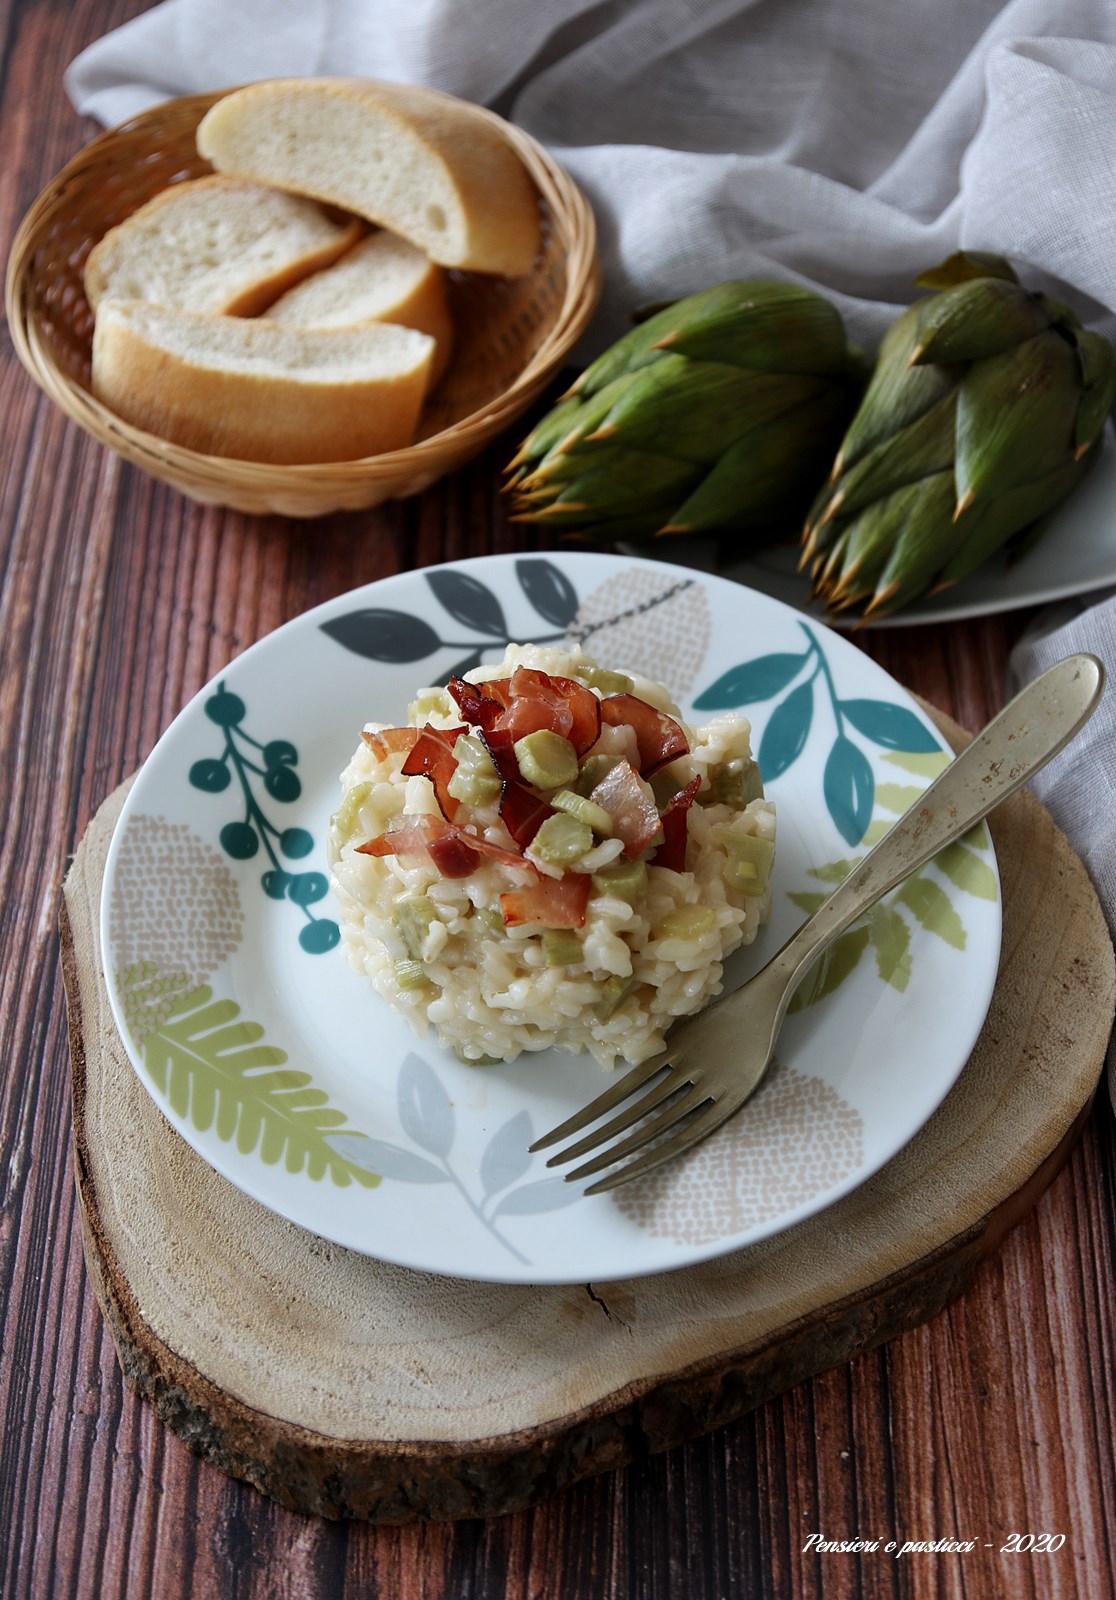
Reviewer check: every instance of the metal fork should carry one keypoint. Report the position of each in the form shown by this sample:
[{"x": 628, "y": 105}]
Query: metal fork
[{"x": 717, "y": 1059}]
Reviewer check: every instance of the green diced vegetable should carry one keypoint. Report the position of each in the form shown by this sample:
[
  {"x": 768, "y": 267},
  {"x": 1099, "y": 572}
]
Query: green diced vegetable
[
  {"x": 412, "y": 918},
  {"x": 584, "y": 810},
  {"x": 734, "y": 783},
  {"x": 593, "y": 769},
  {"x": 560, "y": 947},
  {"x": 561, "y": 839},
  {"x": 476, "y": 781},
  {"x": 493, "y": 920},
  {"x": 428, "y": 703},
  {"x": 748, "y": 867},
  {"x": 614, "y": 991},
  {"x": 626, "y": 880},
  {"x": 688, "y": 922},
  {"x": 346, "y": 819},
  {"x": 546, "y": 760},
  {"x": 411, "y": 975},
  {"x": 604, "y": 681}
]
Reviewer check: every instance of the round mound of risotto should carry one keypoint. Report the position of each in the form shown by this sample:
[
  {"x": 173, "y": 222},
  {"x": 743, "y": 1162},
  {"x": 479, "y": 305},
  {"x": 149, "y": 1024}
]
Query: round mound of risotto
[{"x": 546, "y": 855}]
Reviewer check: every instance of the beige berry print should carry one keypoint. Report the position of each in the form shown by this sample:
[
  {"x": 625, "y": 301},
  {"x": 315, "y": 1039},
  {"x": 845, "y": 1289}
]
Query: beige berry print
[
  {"x": 796, "y": 1139},
  {"x": 647, "y": 622}
]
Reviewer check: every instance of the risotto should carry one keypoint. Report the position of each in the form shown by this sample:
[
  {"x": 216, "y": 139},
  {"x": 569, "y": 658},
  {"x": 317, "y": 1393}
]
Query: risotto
[{"x": 546, "y": 855}]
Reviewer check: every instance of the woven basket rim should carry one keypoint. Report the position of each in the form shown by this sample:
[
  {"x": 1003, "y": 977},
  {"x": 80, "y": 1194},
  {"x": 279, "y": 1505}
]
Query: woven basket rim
[{"x": 567, "y": 204}]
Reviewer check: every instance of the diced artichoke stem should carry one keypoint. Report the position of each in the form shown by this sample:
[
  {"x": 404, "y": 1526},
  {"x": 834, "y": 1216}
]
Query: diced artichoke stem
[
  {"x": 346, "y": 818},
  {"x": 604, "y": 681},
  {"x": 585, "y": 810},
  {"x": 748, "y": 865},
  {"x": 614, "y": 991},
  {"x": 593, "y": 769},
  {"x": 411, "y": 975},
  {"x": 560, "y": 947},
  {"x": 426, "y": 704},
  {"x": 493, "y": 920},
  {"x": 412, "y": 917},
  {"x": 751, "y": 783},
  {"x": 561, "y": 839},
  {"x": 689, "y": 922},
  {"x": 546, "y": 760},
  {"x": 627, "y": 880},
  {"x": 476, "y": 781}
]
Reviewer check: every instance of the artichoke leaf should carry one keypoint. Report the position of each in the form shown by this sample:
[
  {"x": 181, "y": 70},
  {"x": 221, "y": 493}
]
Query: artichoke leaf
[
  {"x": 634, "y": 480},
  {"x": 923, "y": 447},
  {"x": 767, "y": 327},
  {"x": 992, "y": 524},
  {"x": 695, "y": 409},
  {"x": 927, "y": 541},
  {"x": 1097, "y": 360},
  {"x": 980, "y": 318},
  {"x": 757, "y": 477},
  {"x": 964, "y": 265},
  {"x": 1015, "y": 417},
  {"x": 898, "y": 393}
]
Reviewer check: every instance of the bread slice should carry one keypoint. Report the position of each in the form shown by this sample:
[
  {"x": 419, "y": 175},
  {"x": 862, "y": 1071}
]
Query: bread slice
[
  {"x": 381, "y": 279},
  {"x": 425, "y": 165},
  {"x": 215, "y": 244},
  {"x": 258, "y": 391}
]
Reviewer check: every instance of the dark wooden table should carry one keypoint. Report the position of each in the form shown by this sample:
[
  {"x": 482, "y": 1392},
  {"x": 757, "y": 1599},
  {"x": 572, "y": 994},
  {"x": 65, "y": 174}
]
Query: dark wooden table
[{"x": 119, "y": 600}]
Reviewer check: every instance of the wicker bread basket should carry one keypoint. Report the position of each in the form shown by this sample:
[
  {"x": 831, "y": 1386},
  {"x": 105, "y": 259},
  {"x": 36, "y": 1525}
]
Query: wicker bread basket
[{"x": 511, "y": 334}]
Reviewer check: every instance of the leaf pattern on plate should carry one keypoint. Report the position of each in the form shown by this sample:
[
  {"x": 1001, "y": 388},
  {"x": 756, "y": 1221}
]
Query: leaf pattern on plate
[
  {"x": 242, "y": 838},
  {"x": 848, "y": 780},
  {"x": 425, "y": 1110},
  {"x": 468, "y": 601},
  {"x": 215, "y": 1070},
  {"x": 921, "y": 901}
]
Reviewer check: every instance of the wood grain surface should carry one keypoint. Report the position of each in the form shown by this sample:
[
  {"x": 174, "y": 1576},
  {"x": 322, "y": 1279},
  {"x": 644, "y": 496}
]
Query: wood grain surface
[{"x": 119, "y": 599}]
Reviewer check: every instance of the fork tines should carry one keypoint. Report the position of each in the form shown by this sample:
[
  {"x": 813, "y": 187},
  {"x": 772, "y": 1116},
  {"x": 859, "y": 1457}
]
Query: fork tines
[{"x": 673, "y": 1101}]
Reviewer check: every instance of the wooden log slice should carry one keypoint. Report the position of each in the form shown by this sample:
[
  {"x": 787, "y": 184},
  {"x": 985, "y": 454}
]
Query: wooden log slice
[{"x": 345, "y": 1386}]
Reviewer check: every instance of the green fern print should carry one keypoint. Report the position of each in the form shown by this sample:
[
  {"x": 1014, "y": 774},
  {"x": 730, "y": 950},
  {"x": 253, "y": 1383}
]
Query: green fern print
[
  {"x": 886, "y": 929},
  {"x": 213, "y": 1068}
]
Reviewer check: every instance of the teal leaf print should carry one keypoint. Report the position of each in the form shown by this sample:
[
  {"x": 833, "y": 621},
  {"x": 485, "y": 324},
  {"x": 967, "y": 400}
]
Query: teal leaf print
[
  {"x": 785, "y": 735},
  {"x": 244, "y": 837},
  {"x": 849, "y": 789},
  {"x": 750, "y": 681},
  {"x": 889, "y": 725}
]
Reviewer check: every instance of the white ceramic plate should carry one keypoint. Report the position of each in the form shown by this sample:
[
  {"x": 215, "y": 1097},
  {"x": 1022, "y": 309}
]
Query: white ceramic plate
[
  {"x": 1075, "y": 555},
  {"x": 284, "y": 1069}
]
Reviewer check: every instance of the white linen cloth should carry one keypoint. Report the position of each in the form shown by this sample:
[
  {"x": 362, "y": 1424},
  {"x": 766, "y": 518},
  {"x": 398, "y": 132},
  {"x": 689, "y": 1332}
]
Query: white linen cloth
[{"x": 847, "y": 146}]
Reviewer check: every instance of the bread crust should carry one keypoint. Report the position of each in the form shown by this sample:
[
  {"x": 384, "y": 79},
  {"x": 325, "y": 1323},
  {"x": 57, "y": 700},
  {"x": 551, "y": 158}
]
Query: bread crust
[
  {"x": 455, "y": 149},
  {"x": 198, "y": 400}
]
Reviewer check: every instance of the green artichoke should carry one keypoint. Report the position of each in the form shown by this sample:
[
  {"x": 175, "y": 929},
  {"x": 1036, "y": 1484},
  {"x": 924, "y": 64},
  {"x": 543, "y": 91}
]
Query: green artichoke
[
  {"x": 984, "y": 411},
  {"x": 719, "y": 412}
]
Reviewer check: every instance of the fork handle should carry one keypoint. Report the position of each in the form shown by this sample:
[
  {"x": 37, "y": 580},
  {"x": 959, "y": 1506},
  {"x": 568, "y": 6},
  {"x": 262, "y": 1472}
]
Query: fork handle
[{"x": 1032, "y": 728}]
